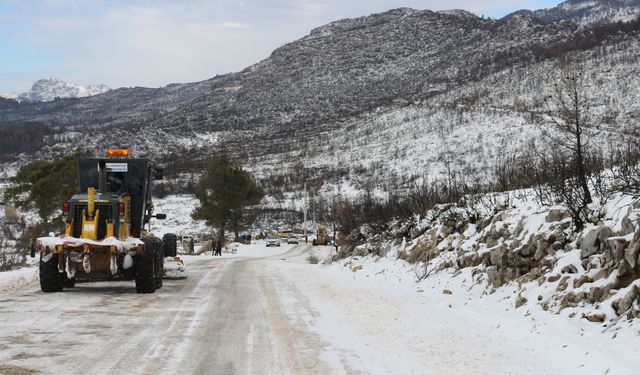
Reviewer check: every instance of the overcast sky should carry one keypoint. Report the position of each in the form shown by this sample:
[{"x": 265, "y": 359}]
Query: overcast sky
[{"x": 157, "y": 42}]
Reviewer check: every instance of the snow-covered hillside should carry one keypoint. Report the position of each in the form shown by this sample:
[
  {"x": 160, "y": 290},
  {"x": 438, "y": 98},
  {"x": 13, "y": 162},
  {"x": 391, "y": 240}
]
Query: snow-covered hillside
[
  {"x": 465, "y": 132},
  {"x": 464, "y": 128},
  {"x": 529, "y": 254}
]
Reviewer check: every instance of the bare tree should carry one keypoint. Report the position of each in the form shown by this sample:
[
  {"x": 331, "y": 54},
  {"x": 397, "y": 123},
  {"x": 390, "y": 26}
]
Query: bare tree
[
  {"x": 569, "y": 129},
  {"x": 627, "y": 173}
]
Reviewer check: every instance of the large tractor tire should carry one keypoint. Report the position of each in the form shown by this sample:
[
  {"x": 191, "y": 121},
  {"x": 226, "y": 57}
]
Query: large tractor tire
[
  {"x": 159, "y": 256},
  {"x": 50, "y": 279},
  {"x": 146, "y": 265},
  {"x": 170, "y": 244}
]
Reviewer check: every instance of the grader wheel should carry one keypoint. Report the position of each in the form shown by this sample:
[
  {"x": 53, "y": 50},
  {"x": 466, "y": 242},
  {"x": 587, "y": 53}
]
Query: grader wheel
[{"x": 51, "y": 280}]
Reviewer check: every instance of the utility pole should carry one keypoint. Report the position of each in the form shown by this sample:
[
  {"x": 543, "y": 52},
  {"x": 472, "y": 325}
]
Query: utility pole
[{"x": 305, "y": 213}]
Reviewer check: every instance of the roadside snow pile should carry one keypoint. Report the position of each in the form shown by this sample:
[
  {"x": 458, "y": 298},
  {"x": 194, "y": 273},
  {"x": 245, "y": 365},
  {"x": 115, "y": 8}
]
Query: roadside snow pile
[
  {"x": 18, "y": 279},
  {"x": 519, "y": 244}
]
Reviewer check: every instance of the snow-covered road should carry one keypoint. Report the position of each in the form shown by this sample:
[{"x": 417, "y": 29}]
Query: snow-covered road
[{"x": 260, "y": 311}]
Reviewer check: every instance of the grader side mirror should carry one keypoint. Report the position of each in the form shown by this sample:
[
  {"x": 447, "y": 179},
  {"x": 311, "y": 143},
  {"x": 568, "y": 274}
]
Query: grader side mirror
[{"x": 158, "y": 174}]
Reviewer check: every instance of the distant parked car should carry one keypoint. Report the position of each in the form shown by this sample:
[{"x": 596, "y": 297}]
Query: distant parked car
[
  {"x": 273, "y": 241},
  {"x": 188, "y": 237},
  {"x": 292, "y": 240}
]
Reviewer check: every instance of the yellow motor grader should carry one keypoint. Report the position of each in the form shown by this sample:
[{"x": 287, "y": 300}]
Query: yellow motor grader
[{"x": 104, "y": 237}]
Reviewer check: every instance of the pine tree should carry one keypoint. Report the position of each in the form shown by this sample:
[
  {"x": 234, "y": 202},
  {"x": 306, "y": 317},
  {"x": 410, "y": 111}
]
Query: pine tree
[
  {"x": 227, "y": 195},
  {"x": 45, "y": 185}
]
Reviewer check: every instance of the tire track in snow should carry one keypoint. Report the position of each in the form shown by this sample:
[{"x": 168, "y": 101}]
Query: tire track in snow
[{"x": 148, "y": 349}]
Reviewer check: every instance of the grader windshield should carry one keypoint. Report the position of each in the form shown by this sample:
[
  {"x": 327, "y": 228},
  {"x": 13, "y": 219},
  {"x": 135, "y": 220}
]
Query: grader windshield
[{"x": 123, "y": 177}]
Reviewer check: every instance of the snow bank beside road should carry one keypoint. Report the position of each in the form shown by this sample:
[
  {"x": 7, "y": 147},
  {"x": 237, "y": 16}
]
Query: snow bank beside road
[
  {"x": 22, "y": 278},
  {"x": 392, "y": 324},
  {"x": 561, "y": 344},
  {"x": 591, "y": 274},
  {"x": 519, "y": 269}
]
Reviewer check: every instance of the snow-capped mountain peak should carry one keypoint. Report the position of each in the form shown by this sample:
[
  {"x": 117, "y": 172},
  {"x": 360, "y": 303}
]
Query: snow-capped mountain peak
[
  {"x": 10, "y": 95},
  {"x": 44, "y": 90}
]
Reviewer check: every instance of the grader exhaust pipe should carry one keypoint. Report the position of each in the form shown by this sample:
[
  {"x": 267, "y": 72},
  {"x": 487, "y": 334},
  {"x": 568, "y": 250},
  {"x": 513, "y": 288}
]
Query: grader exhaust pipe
[{"x": 102, "y": 176}]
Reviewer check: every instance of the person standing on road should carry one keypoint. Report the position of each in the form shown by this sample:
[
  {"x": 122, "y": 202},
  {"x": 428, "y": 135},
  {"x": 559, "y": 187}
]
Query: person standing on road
[
  {"x": 191, "y": 247},
  {"x": 218, "y": 247}
]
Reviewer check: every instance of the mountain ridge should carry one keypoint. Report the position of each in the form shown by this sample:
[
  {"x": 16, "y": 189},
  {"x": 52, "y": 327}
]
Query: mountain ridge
[
  {"x": 338, "y": 66},
  {"x": 586, "y": 12}
]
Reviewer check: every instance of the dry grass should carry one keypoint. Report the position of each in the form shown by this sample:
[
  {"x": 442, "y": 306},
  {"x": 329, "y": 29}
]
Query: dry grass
[
  {"x": 16, "y": 370},
  {"x": 10, "y": 261},
  {"x": 11, "y": 214},
  {"x": 422, "y": 252}
]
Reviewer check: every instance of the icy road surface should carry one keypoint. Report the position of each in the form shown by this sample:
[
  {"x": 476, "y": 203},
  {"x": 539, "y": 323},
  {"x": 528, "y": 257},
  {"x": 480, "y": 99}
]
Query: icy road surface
[{"x": 260, "y": 311}]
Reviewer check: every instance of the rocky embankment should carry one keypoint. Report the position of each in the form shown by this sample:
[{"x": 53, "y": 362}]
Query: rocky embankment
[{"x": 592, "y": 274}]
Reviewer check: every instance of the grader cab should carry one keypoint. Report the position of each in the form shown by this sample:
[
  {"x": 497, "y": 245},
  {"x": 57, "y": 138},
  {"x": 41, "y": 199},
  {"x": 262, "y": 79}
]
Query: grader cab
[{"x": 104, "y": 237}]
